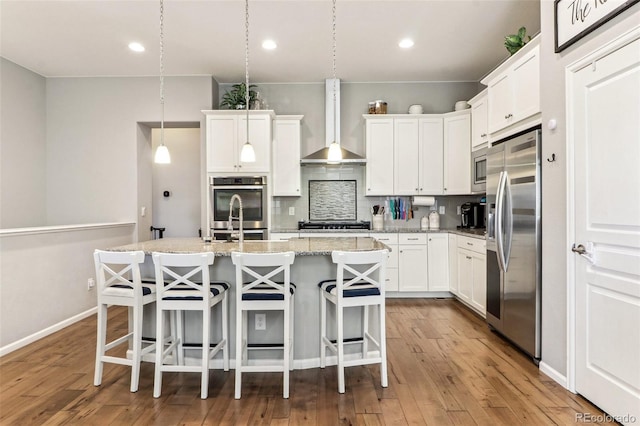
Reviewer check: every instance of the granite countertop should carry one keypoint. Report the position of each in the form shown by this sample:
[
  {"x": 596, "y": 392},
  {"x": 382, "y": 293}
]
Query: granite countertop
[
  {"x": 467, "y": 232},
  {"x": 301, "y": 246}
]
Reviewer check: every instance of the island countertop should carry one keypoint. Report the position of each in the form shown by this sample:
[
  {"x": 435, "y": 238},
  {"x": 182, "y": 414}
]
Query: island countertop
[{"x": 301, "y": 246}]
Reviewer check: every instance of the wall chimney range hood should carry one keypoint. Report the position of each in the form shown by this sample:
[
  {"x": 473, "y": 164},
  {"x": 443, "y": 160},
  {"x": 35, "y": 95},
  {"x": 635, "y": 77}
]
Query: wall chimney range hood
[{"x": 320, "y": 156}]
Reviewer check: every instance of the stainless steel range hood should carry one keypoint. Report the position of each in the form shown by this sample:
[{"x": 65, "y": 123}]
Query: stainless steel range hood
[{"x": 320, "y": 156}]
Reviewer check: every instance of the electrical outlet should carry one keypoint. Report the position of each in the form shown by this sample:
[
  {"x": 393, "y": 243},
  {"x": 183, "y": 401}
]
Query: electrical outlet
[
  {"x": 458, "y": 210},
  {"x": 292, "y": 211},
  {"x": 261, "y": 321},
  {"x": 91, "y": 283},
  {"x": 441, "y": 210}
]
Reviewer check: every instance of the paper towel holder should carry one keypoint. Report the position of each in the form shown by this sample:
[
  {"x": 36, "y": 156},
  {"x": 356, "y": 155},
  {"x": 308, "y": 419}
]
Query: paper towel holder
[{"x": 421, "y": 200}]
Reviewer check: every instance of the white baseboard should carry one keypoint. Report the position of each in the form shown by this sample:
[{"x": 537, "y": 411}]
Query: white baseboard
[
  {"x": 47, "y": 331},
  {"x": 555, "y": 375}
]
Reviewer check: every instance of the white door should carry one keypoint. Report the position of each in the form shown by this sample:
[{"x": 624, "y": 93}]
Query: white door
[
  {"x": 406, "y": 146},
  {"x": 604, "y": 130}
]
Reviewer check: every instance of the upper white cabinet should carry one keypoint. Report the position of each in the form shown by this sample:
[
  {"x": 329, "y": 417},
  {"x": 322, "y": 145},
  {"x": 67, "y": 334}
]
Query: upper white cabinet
[
  {"x": 479, "y": 121},
  {"x": 457, "y": 153},
  {"x": 286, "y": 156},
  {"x": 431, "y": 156},
  {"x": 226, "y": 133},
  {"x": 514, "y": 88},
  {"x": 379, "y": 149}
]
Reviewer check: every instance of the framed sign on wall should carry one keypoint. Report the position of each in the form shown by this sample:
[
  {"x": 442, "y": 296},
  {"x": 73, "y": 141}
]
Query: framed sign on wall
[{"x": 576, "y": 18}]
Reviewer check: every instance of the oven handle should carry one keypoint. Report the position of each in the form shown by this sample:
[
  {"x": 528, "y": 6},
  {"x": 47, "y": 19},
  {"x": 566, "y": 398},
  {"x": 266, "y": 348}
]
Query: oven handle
[
  {"x": 239, "y": 187},
  {"x": 244, "y": 231}
]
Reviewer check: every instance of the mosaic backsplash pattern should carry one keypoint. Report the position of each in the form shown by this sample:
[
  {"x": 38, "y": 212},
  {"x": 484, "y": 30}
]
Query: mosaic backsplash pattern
[{"x": 332, "y": 200}]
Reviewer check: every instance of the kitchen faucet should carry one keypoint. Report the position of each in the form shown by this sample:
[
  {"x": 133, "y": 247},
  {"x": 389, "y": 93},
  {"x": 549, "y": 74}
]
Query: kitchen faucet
[{"x": 230, "y": 225}]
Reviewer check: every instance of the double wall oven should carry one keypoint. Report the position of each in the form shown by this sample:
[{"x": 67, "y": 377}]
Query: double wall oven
[{"x": 253, "y": 192}]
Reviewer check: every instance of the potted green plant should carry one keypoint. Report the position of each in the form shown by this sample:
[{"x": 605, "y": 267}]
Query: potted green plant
[
  {"x": 236, "y": 97},
  {"x": 514, "y": 42}
]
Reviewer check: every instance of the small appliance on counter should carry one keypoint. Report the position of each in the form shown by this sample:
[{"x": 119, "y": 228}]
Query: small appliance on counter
[
  {"x": 424, "y": 223},
  {"x": 434, "y": 221},
  {"x": 472, "y": 215}
]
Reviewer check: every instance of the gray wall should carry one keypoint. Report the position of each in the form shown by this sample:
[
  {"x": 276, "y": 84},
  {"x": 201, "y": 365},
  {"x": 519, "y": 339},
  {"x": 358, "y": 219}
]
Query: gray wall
[
  {"x": 554, "y": 192},
  {"x": 22, "y": 147}
]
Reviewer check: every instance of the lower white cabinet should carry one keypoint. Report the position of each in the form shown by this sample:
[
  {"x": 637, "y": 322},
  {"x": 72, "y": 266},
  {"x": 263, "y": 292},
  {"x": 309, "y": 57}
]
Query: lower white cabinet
[
  {"x": 391, "y": 280},
  {"x": 438, "y": 261},
  {"x": 471, "y": 261},
  {"x": 412, "y": 262},
  {"x": 281, "y": 236},
  {"x": 453, "y": 264}
]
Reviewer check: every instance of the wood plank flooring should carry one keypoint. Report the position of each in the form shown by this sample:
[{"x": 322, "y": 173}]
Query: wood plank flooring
[{"x": 445, "y": 368}]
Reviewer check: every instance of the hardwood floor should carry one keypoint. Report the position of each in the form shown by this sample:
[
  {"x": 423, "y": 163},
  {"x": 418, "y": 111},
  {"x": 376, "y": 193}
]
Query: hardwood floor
[{"x": 445, "y": 368}]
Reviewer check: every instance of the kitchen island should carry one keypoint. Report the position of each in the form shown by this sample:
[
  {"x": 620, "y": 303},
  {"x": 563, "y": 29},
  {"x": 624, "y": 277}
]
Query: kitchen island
[{"x": 312, "y": 264}]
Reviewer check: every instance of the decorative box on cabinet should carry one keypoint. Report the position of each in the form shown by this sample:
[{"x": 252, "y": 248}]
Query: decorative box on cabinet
[
  {"x": 479, "y": 121},
  {"x": 286, "y": 156},
  {"x": 392, "y": 263},
  {"x": 412, "y": 263},
  {"x": 514, "y": 88},
  {"x": 226, "y": 133},
  {"x": 457, "y": 153}
]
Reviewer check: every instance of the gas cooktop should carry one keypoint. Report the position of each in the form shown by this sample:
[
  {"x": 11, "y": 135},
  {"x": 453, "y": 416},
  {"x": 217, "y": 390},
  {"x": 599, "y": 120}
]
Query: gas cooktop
[{"x": 334, "y": 225}]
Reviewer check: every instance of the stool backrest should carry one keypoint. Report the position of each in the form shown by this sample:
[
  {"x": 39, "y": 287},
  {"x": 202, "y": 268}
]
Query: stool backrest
[
  {"x": 118, "y": 268},
  {"x": 183, "y": 275},
  {"x": 360, "y": 266},
  {"x": 263, "y": 268}
]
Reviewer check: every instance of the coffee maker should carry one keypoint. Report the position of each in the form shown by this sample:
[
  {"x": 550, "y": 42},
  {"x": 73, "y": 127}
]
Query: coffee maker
[{"x": 472, "y": 215}]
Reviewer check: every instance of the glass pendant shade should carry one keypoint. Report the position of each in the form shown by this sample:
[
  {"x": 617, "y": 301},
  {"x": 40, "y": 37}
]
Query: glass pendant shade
[
  {"x": 248, "y": 154},
  {"x": 335, "y": 153},
  {"x": 162, "y": 155}
]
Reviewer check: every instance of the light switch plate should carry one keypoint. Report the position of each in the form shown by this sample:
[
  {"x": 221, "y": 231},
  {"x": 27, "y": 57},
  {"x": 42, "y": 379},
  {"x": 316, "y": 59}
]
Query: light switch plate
[
  {"x": 441, "y": 210},
  {"x": 292, "y": 211}
]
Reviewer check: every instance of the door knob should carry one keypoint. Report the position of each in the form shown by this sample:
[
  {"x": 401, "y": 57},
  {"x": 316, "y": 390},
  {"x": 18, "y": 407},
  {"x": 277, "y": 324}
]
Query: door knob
[
  {"x": 586, "y": 252},
  {"x": 579, "y": 249}
]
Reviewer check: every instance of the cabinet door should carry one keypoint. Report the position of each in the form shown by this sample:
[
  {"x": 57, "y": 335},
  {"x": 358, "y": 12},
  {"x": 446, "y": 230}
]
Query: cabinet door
[
  {"x": 500, "y": 103},
  {"x": 406, "y": 156},
  {"x": 479, "y": 273},
  {"x": 479, "y": 129},
  {"x": 465, "y": 275},
  {"x": 526, "y": 86},
  {"x": 222, "y": 133},
  {"x": 286, "y": 158},
  {"x": 457, "y": 154},
  {"x": 438, "y": 261},
  {"x": 412, "y": 267},
  {"x": 453, "y": 264},
  {"x": 379, "y": 168},
  {"x": 260, "y": 138},
  {"x": 431, "y": 156}
]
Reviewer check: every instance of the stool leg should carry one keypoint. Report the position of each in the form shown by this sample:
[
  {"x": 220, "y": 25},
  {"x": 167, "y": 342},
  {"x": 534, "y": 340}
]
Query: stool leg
[
  {"x": 206, "y": 325},
  {"x": 245, "y": 336},
  {"x": 239, "y": 337},
  {"x": 157, "y": 380},
  {"x": 365, "y": 331},
  {"x": 291, "y": 324},
  {"x": 287, "y": 349},
  {"x": 225, "y": 332},
  {"x": 340, "y": 343},
  {"x": 136, "y": 346},
  {"x": 323, "y": 330},
  {"x": 101, "y": 341},
  {"x": 179, "y": 336},
  {"x": 383, "y": 346}
]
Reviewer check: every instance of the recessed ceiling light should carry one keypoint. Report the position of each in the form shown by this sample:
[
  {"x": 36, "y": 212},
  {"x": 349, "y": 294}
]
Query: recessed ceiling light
[
  {"x": 136, "y": 47},
  {"x": 406, "y": 43},
  {"x": 269, "y": 44}
]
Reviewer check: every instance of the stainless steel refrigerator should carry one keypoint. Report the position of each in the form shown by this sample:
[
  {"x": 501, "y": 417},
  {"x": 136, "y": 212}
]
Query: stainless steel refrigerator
[{"x": 514, "y": 240}]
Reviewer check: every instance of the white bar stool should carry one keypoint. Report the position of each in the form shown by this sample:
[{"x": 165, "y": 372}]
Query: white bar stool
[
  {"x": 119, "y": 283},
  {"x": 177, "y": 292},
  {"x": 263, "y": 294},
  {"x": 362, "y": 287}
]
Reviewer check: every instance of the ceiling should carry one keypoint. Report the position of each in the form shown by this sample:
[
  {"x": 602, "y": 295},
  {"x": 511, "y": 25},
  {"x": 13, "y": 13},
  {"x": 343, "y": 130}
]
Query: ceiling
[{"x": 455, "y": 40}]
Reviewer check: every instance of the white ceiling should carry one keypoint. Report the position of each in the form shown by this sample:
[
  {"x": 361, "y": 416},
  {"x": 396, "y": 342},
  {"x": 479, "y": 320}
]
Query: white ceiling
[{"x": 455, "y": 40}]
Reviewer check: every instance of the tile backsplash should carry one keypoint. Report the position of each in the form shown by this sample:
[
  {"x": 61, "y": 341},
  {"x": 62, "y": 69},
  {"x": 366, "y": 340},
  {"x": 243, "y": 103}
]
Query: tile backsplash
[{"x": 281, "y": 220}]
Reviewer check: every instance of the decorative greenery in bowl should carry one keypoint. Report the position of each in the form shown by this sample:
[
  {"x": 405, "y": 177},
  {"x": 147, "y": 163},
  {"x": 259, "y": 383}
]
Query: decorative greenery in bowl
[
  {"x": 515, "y": 42},
  {"x": 236, "y": 97}
]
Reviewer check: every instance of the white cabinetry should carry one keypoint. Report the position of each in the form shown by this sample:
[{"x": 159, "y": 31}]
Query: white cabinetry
[
  {"x": 457, "y": 153},
  {"x": 514, "y": 88},
  {"x": 438, "y": 261},
  {"x": 453, "y": 264},
  {"x": 479, "y": 121},
  {"x": 379, "y": 149},
  {"x": 472, "y": 283},
  {"x": 283, "y": 236},
  {"x": 412, "y": 262},
  {"x": 226, "y": 133},
  {"x": 286, "y": 156},
  {"x": 391, "y": 281}
]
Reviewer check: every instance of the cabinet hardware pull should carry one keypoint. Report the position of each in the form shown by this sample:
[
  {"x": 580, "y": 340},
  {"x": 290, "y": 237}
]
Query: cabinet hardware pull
[
  {"x": 412, "y": 239},
  {"x": 484, "y": 135},
  {"x": 468, "y": 257},
  {"x": 469, "y": 244}
]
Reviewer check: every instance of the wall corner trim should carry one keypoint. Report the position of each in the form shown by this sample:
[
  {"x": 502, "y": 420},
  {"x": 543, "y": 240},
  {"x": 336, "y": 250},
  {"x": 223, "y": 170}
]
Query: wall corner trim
[{"x": 553, "y": 374}]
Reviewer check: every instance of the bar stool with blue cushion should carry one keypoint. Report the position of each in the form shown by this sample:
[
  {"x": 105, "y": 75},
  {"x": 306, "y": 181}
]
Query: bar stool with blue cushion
[
  {"x": 269, "y": 289},
  {"x": 359, "y": 283},
  {"x": 120, "y": 284},
  {"x": 183, "y": 284}
]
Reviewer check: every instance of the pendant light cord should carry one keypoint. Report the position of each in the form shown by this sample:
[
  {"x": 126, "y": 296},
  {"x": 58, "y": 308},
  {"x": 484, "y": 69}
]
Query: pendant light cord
[
  {"x": 246, "y": 60},
  {"x": 335, "y": 118},
  {"x": 161, "y": 72}
]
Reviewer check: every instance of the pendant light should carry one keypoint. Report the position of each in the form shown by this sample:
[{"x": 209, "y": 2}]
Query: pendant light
[
  {"x": 334, "y": 155},
  {"x": 248, "y": 154},
  {"x": 162, "y": 152}
]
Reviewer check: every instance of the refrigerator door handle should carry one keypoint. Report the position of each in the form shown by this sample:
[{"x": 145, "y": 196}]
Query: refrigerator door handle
[
  {"x": 499, "y": 220},
  {"x": 508, "y": 211}
]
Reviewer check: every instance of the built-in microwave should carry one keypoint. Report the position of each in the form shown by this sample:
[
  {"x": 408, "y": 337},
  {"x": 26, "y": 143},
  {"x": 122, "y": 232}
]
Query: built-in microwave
[
  {"x": 479, "y": 171},
  {"x": 253, "y": 192}
]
